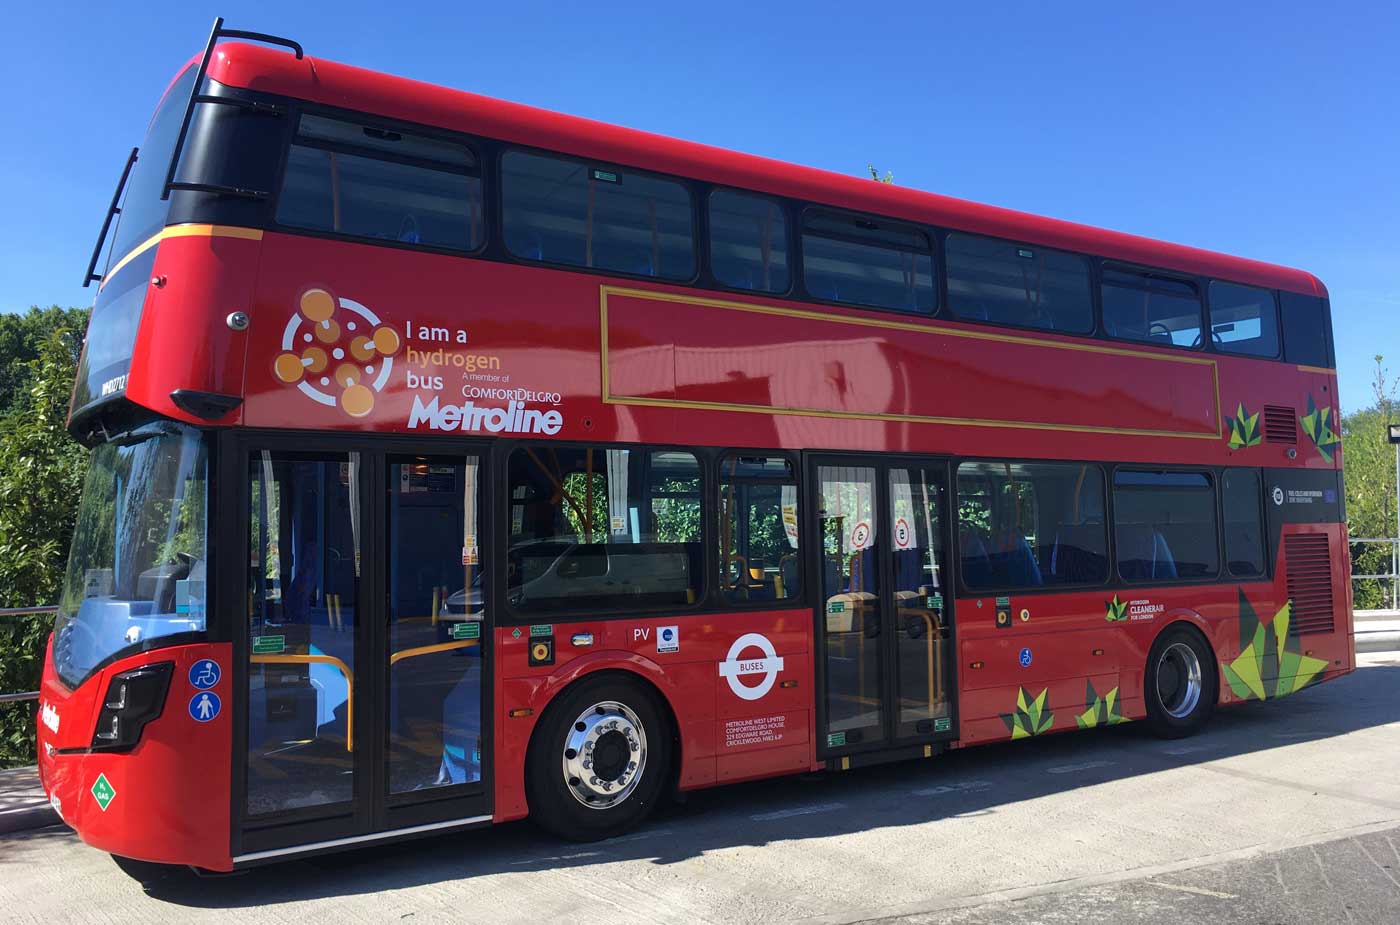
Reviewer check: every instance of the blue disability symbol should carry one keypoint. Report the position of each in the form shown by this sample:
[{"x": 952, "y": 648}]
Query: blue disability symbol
[
  {"x": 204, "y": 707},
  {"x": 204, "y": 674},
  {"x": 1025, "y": 658}
]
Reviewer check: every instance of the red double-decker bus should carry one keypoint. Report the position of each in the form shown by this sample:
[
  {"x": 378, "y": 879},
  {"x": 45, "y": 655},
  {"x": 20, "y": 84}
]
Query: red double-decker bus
[{"x": 455, "y": 461}]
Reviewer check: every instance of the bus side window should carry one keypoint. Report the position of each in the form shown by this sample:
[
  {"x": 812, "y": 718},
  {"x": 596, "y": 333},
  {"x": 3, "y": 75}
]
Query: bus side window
[
  {"x": 1243, "y": 319},
  {"x": 1244, "y": 524},
  {"x": 748, "y": 241},
  {"x": 1307, "y": 330},
  {"x": 758, "y": 533},
  {"x": 558, "y": 210},
  {"x": 1151, "y": 308},
  {"x": 1165, "y": 527},
  {"x": 352, "y": 179},
  {"x": 1028, "y": 525},
  {"x": 616, "y": 528},
  {"x": 1008, "y": 283},
  {"x": 860, "y": 260}
]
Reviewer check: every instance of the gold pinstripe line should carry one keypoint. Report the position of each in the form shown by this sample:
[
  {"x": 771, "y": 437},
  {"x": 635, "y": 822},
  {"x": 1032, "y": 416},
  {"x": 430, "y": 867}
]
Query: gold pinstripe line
[
  {"x": 181, "y": 231},
  {"x": 610, "y": 399}
]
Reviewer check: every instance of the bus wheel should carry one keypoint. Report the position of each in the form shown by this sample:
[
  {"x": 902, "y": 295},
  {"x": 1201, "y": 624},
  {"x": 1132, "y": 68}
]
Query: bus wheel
[
  {"x": 598, "y": 759},
  {"x": 1182, "y": 683}
]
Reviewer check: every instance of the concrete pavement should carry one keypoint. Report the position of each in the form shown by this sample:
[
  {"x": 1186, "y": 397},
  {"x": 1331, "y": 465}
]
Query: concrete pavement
[
  {"x": 1279, "y": 812},
  {"x": 22, "y": 802}
]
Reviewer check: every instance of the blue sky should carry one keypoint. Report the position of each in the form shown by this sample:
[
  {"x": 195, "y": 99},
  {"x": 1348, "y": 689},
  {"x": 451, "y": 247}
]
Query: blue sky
[{"x": 1268, "y": 130}]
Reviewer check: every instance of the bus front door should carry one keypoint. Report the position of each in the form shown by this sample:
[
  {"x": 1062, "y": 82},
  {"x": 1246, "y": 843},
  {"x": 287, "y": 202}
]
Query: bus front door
[
  {"x": 884, "y": 608},
  {"x": 363, "y": 663}
]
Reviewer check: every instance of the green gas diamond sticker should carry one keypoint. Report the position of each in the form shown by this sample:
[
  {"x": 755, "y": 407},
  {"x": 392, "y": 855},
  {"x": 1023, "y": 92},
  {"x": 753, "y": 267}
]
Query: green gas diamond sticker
[{"x": 102, "y": 792}]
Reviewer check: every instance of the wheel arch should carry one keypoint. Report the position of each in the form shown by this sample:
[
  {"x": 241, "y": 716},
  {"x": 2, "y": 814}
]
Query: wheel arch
[{"x": 625, "y": 666}]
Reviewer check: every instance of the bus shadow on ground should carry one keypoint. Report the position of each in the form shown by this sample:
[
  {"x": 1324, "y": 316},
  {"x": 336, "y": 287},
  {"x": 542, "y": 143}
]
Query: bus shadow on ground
[{"x": 971, "y": 782}]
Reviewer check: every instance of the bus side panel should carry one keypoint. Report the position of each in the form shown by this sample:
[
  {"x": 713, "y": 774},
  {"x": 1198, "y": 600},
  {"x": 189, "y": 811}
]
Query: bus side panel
[
  {"x": 763, "y": 731},
  {"x": 167, "y": 800},
  {"x": 185, "y": 341}
]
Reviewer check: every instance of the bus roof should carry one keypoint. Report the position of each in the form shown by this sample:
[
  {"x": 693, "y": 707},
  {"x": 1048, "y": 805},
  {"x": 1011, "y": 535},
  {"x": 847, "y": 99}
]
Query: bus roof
[{"x": 341, "y": 85}]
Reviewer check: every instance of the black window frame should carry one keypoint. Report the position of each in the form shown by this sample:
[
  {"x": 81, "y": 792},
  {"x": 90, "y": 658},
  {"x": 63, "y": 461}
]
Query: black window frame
[
  {"x": 479, "y": 148},
  {"x": 1091, "y": 275},
  {"x": 719, "y": 602},
  {"x": 1213, "y": 474},
  {"x": 784, "y": 207},
  {"x": 931, "y": 239},
  {"x": 1223, "y": 348},
  {"x": 1105, "y": 470},
  {"x": 699, "y": 250},
  {"x": 1329, "y": 344},
  {"x": 1265, "y": 547},
  {"x": 1107, "y": 266}
]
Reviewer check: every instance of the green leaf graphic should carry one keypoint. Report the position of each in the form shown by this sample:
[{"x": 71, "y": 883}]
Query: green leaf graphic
[
  {"x": 1115, "y": 610},
  {"x": 1272, "y": 664},
  {"x": 1317, "y": 425},
  {"x": 1032, "y": 716},
  {"x": 1244, "y": 429}
]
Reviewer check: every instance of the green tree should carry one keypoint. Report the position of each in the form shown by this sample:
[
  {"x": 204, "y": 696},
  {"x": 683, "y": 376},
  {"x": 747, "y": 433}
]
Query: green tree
[
  {"x": 875, "y": 175},
  {"x": 41, "y": 478},
  {"x": 1370, "y": 485}
]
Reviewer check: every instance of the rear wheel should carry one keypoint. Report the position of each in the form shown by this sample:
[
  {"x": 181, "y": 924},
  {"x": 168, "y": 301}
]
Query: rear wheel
[
  {"x": 598, "y": 759},
  {"x": 1181, "y": 683}
]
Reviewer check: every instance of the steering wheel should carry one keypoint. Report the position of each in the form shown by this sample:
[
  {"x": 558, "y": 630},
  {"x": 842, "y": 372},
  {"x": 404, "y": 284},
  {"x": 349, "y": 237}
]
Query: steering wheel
[
  {"x": 1214, "y": 339},
  {"x": 1152, "y": 329}
]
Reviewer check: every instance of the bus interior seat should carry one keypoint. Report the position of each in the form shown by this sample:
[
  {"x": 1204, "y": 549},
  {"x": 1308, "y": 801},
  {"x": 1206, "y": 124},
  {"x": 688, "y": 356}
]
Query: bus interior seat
[
  {"x": 1015, "y": 565},
  {"x": 976, "y": 563},
  {"x": 788, "y": 568},
  {"x": 1072, "y": 559},
  {"x": 1143, "y": 554}
]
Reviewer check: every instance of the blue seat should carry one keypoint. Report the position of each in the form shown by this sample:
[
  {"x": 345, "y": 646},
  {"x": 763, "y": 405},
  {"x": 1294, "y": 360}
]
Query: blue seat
[
  {"x": 1015, "y": 565},
  {"x": 1143, "y": 554},
  {"x": 976, "y": 563}
]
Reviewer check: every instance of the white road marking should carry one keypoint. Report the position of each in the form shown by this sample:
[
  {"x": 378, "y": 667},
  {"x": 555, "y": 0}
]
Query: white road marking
[
  {"x": 798, "y": 811},
  {"x": 558, "y": 857},
  {"x": 1085, "y": 766},
  {"x": 1192, "y": 889},
  {"x": 967, "y": 786}
]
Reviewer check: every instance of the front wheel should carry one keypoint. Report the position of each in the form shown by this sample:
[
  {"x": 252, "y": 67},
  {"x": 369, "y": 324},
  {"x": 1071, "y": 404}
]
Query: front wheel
[
  {"x": 598, "y": 759},
  {"x": 1181, "y": 683}
]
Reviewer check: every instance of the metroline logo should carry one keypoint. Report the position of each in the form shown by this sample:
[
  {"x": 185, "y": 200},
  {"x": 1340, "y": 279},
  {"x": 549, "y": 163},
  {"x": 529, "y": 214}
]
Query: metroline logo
[{"x": 515, "y": 418}]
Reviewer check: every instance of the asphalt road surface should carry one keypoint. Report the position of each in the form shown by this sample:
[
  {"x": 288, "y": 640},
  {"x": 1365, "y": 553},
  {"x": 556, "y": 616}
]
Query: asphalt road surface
[{"x": 1281, "y": 812}]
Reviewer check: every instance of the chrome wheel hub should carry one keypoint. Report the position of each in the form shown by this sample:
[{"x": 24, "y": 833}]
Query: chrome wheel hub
[
  {"x": 1179, "y": 680},
  {"x": 605, "y": 753}
]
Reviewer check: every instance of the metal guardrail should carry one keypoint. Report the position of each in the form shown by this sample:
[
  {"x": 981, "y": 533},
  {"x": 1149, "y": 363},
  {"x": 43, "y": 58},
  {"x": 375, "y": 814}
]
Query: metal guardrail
[
  {"x": 24, "y": 612},
  {"x": 1393, "y": 576}
]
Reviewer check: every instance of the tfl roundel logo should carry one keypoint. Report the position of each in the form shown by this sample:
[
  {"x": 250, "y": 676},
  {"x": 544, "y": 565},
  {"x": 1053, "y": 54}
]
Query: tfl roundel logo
[
  {"x": 336, "y": 352},
  {"x": 736, "y": 666}
]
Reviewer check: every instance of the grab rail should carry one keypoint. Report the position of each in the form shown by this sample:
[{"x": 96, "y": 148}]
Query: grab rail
[{"x": 293, "y": 659}]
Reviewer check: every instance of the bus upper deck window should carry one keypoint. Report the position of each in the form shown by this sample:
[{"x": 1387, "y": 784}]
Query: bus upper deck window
[{"x": 369, "y": 182}]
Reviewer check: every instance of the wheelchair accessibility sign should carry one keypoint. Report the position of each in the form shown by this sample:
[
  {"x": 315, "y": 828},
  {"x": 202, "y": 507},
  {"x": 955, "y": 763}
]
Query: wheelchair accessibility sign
[
  {"x": 204, "y": 706},
  {"x": 204, "y": 674}
]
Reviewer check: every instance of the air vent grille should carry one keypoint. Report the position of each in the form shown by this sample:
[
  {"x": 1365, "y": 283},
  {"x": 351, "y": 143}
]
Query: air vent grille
[
  {"x": 1280, "y": 425},
  {"x": 1308, "y": 568}
]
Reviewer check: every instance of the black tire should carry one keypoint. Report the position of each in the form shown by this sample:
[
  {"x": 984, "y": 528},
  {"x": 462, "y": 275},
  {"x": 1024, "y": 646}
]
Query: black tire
[
  {"x": 1179, "y": 701},
  {"x": 559, "y": 800}
]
